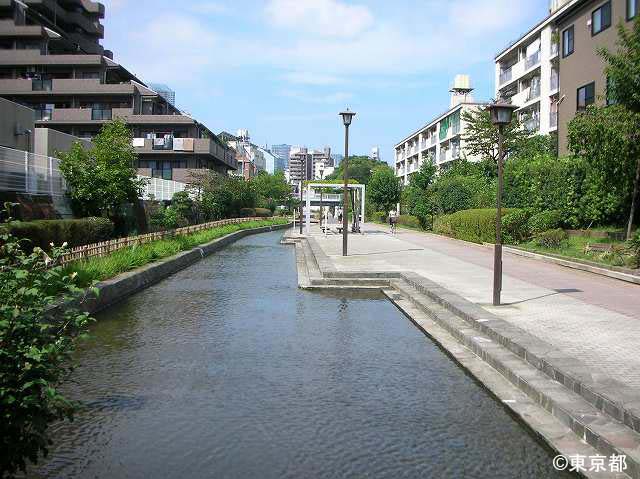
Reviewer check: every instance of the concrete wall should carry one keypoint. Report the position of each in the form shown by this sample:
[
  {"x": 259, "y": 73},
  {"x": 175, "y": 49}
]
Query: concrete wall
[
  {"x": 584, "y": 66},
  {"x": 48, "y": 142},
  {"x": 15, "y": 116}
]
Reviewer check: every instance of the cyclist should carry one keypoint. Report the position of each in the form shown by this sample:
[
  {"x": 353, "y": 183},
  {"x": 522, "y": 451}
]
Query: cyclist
[{"x": 393, "y": 221}]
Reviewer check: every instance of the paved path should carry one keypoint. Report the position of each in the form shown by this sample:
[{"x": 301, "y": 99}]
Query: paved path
[{"x": 592, "y": 318}]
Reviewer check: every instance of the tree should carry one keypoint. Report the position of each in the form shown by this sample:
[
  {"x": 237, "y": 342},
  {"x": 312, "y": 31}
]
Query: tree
[
  {"x": 606, "y": 138},
  {"x": 272, "y": 190},
  {"x": 219, "y": 196},
  {"x": 384, "y": 188},
  {"x": 360, "y": 169},
  {"x": 35, "y": 347},
  {"x": 623, "y": 73},
  {"x": 481, "y": 136},
  {"x": 103, "y": 178}
]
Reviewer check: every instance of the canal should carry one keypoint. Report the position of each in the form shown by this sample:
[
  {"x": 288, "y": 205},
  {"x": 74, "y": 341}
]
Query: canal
[{"x": 227, "y": 370}]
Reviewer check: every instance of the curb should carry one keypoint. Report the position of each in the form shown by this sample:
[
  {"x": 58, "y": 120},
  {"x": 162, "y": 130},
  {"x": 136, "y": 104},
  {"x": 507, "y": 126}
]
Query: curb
[{"x": 116, "y": 289}]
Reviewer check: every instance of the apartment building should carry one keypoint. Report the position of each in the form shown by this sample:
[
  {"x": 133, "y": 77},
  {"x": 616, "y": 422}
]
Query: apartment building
[
  {"x": 527, "y": 73},
  {"x": 303, "y": 163},
  {"x": 584, "y": 27},
  {"x": 51, "y": 60},
  {"x": 442, "y": 139}
]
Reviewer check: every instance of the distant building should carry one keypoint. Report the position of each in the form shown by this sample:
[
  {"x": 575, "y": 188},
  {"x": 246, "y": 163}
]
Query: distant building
[
  {"x": 164, "y": 91},
  {"x": 303, "y": 161},
  {"x": 375, "y": 153},
  {"x": 282, "y": 154},
  {"x": 269, "y": 160},
  {"x": 337, "y": 159},
  {"x": 442, "y": 139}
]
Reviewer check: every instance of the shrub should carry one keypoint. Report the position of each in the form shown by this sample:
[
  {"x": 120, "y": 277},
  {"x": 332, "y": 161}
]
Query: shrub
[
  {"x": 42, "y": 233},
  {"x": 477, "y": 226},
  {"x": 516, "y": 226},
  {"x": 247, "y": 212},
  {"x": 634, "y": 247},
  {"x": 379, "y": 217},
  {"x": 545, "y": 221},
  {"x": 410, "y": 221},
  {"x": 552, "y": 238},
  {"x": 262, "y": 212}
]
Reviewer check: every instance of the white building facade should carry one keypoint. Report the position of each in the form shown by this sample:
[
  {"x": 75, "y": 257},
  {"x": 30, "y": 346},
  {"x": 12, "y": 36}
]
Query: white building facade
[
  {"x": 527, "y": 73},
  {"x": 440, "y": 141}
]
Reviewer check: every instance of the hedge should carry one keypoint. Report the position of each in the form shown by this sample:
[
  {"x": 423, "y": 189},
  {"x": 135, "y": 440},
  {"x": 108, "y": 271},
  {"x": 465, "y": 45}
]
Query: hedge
[
  {"x": 545, "y": 221},
  {"x": 263, "y": 212},
  {"x": 477, "y": 226},
  {"x": 410, "y": 221},
  {"x": 247, "y": 212},
  {"x": 73, "y": 232}
]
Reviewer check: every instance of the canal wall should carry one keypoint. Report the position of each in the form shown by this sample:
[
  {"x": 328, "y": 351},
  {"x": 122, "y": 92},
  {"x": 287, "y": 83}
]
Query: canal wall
[
  {"x": 572, "y": 407},
  {"x": 126, "y": 284}
]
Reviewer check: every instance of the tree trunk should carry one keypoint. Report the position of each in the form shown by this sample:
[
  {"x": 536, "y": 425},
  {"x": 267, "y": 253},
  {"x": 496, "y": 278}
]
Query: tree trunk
[{"x": 634, "y": 199}]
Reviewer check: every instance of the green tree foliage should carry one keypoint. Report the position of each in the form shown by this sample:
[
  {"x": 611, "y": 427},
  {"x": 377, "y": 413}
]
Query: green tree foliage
[
  {"x": 35, "y": 348},
  {"x": 360, "y": 169},
  {"x": 272, "y": 190},
  {"x": 605, "y": 138},
  {"x": 103, "y": 178},
  {"x": 481, "y": 136},
  {"x": 384, "y": 188},
  {"x": 623, "y": 72},
  {"x": 220, "y": 196}
]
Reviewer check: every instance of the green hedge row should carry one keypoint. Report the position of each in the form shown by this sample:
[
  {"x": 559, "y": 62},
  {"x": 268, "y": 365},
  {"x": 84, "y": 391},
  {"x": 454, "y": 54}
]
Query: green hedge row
[
  {"x": 477, "y": 226},
  {"x": 255, "y": 212},
  {"x": 410, "y": 221},
  {"x": 73, "y": 232}
]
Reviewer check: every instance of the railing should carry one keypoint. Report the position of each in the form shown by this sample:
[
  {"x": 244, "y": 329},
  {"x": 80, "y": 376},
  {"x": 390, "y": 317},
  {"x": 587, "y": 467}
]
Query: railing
[
  {"x": 433, "y": 139},
  {"x": 44, "y": 115},
  {"x": 554, "y": 49},
  {"x": 161, "y": 190},
  {"x": 534, "y": 92},
  {"x": 532, "y": 60},
  {"x": 456, "y": 128},
  {"x": 532, "y": 125},
  {"x": 101, "y": 114},
  {"x": 506, "y": 75},
  {"x": 41, "y": 85},
  {"x": 107, "y": 247},
  {"x": 553, "y": 119},
  {"x": 25, "y": 172},
  {"x": 555, "y": 81},
  {"x": 163, "y": 143}
]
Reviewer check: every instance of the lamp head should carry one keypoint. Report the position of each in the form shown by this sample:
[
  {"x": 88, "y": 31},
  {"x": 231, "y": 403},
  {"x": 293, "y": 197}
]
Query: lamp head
[
  {"x": 501, "y": 112},
  {"x": 347, "y": 117}
]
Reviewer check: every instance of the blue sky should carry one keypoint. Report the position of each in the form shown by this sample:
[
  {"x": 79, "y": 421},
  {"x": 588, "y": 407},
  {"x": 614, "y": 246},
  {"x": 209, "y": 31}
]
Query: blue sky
[{"x": 285, "y": 68}]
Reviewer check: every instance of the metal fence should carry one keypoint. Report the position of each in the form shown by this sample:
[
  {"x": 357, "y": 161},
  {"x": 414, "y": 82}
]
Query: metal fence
[
  {"x": 30, "y": 173},
  {"x": 106, "y": 247}
]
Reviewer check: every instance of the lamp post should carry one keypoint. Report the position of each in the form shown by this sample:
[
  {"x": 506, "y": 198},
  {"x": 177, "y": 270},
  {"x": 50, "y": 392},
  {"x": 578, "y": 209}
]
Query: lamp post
[
  {"x": 501, "y": 116},
  {"x": 347, "y": 117}
]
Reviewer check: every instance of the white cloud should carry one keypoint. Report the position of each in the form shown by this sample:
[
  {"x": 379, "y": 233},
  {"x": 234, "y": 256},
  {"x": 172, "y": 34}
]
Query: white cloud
[{"x": 330, "y": 18}]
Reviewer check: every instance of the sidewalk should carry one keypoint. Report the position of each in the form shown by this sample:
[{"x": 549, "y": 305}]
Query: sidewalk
[{"x": 588, "y": 317}]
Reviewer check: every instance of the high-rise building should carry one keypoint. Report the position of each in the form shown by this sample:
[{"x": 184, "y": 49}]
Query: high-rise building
[
  {"x": 164, "y": 91},
  {"x": 442, "y": 139},
  {"x": 375, "y": 153},
  {"x": 282, "y": 153},
  {"x": 303, "y": 161},
  {"x": 51, "y": 60}
]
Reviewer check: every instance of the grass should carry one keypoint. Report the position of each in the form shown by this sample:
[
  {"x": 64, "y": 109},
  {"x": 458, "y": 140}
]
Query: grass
[
  {"x": 132, "y": 257},
  {"x": 574, "y": 247}
]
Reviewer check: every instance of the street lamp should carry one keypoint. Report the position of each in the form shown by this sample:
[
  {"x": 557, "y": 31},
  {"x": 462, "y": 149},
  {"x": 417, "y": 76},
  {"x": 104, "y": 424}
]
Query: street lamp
[
  {"x": 501, "y": 115},
  {"x": 347, "y": 117}
]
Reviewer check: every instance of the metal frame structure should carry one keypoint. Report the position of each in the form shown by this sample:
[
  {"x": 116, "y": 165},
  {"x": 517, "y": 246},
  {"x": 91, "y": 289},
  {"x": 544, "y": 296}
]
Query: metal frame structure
[{"x": 357, "y": 187}]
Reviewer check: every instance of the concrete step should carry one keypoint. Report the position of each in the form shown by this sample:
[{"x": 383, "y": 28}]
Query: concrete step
[
  {"x": 351, "y": 282},
  {"x": 591, "y": 425}
]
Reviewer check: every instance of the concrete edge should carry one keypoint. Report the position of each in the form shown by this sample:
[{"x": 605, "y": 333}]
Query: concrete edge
[{"x": 116, "y": 289}]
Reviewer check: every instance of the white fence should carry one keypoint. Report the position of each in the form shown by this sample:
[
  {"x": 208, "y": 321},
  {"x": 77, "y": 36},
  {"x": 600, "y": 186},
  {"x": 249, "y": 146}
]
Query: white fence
[
  {"x": 29, "y": 173},
  {"x": 161, "y": 190}
]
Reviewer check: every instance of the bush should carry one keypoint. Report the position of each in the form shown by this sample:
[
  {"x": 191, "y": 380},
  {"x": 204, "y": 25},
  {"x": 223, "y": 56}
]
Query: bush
[
  {"x": 379, "y": 217},
  {"x": 634, "y": 247},
  {"x": 247, "y": 212},
  {"x": 477, "y": 226},
  {"x": 545, "y": 221},
  {"x": 262, "y": 212},
  {"x": 552, "y": 238},
  {"x": 410, "y": 221},
  {"x": 42, "y": 233},
  {"x": 516, "y": 226}
]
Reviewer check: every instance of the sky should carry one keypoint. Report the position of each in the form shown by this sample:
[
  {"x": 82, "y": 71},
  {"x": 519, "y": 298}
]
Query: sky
[{"x": 284, "y": 69}]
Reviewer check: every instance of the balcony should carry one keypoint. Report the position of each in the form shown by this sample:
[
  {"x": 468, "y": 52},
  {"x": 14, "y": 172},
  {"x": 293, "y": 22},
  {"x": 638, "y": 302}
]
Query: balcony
[
  {"x": 533, "y": 93},
  {"x": 506, "y": 75},
  {"x": 532, "y": 60},
  {"x": 165, "y": 143},
  {"x": 532, "y": 125},
  {"x": 555, "y": 81},
  {"x": 41, "y": 85},
  {"x": 455, "y": 128},
  {"x": 44, "y": 115},
  {"x": 553, "y": 119},
  {"x": 101, "y": 114},
  {"x": 555, "y": 48},
  {"x": 433, "y": 139},
  {"x": 63, "y": 86}
]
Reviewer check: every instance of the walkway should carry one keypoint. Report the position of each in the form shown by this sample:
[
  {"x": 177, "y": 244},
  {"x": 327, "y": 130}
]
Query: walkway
[{"x": 592, "y": 318}]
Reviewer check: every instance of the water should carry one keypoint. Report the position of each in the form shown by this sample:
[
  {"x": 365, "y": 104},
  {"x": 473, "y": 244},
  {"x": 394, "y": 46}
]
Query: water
[{"x": 227, "y": 370}]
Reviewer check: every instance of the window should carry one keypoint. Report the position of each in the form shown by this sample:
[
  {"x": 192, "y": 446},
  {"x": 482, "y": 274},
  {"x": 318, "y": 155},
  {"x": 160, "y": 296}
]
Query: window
[
  {"x": 586, "y": 96},
  {"x": 632, "y": 8},
  {"x": 567, "y": 41},
  {"x": 601, "y": 18}
]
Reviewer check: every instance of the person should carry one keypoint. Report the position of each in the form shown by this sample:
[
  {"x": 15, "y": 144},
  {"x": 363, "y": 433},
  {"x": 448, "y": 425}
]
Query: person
[{"x": 393, "y": 221}]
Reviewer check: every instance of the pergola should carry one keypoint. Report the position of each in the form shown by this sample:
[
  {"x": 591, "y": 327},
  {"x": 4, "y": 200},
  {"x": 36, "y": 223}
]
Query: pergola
[{"x": 359, "y": 195}]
